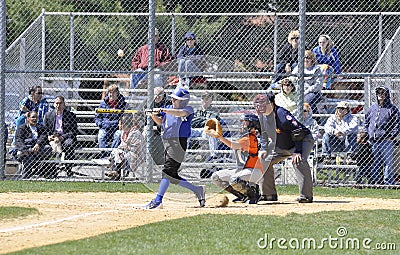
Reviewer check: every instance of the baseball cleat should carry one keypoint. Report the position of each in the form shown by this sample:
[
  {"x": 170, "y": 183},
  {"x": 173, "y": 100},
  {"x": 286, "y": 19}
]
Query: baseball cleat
[
  {"x": 304, "y": 199},
  {"x": 153, "y": 205},
  {"x": 273, "y": 197}
]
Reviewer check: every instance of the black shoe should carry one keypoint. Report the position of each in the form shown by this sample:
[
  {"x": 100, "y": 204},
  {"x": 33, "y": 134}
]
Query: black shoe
[
  {"x": 253, "y": 195},
  {"x": 304, "y": 200},
  {"x": 242, "y": 199},
  {"x": 273, "y": 197}
]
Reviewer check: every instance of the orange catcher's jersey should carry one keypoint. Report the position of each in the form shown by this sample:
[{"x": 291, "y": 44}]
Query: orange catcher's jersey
[{"x": 248, "y": 156}]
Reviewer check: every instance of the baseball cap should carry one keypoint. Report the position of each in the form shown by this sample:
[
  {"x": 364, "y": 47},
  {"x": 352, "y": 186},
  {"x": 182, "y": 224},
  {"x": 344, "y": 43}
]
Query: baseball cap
[
  {"x": 343, "y": 104},
  {"x": 180, "y": 94},
  {"x": 190, "y": 35}
]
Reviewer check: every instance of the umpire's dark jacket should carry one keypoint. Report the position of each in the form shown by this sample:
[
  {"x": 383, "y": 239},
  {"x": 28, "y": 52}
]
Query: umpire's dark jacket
[{"x": 286, "y": 123}]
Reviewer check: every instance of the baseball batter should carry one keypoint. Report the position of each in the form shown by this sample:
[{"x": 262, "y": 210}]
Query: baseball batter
[{"x": 176, "y": 120}]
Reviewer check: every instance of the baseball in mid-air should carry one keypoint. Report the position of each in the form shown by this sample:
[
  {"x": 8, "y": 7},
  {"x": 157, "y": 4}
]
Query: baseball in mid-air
[{"x": 120, "y": 53}]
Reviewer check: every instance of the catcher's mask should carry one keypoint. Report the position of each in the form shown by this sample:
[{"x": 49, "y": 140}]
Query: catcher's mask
[
  {"x": 260, "y": 103},
  {"x": 253, "y": 122},
  {"x": 182, "y": 95}
]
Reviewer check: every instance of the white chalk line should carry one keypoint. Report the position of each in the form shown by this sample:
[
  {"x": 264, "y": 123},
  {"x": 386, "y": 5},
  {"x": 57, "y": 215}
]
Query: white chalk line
[{"x": 7, "y": 230}]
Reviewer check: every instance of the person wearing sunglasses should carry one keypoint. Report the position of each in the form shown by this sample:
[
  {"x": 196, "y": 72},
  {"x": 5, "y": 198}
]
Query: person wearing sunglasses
[
  {"x": 190, "y": 59},
  {"x": 32, "y": 102},
  {"x": 382, "y": 123},
  {"x": 340, "y": 133},
  {"x": 313, "y": 82},
  {"x": 287, "y": 98},
  {"x": 287, "y": 56}
]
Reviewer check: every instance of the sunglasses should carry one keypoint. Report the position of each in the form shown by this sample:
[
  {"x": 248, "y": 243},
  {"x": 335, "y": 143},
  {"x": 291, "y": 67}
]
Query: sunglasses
[
  {"x": 307, "y": 57},
  {"x": 39, "y": 93},
  {"x": 294, "y": 38},
  {"x": 340, "y": 108},
  {"x": 305, "y": 111},
  {"x": 189, "y": 39}
]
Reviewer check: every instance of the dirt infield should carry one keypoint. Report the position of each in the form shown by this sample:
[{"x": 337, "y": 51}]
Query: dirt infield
[{"x": 72, "y": 216}]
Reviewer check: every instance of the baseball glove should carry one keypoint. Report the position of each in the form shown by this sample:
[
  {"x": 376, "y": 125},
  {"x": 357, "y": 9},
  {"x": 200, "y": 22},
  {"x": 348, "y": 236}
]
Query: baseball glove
[{"x": 213, "y": 128}]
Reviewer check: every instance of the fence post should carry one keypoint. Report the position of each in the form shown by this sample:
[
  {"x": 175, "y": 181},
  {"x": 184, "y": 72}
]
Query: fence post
[
  {"x": 71, "y": 53},
  {"x": 301, "y": 49},
  {"x": 43, "y": 42},
  {"x": 150, "y": 86},
  {"x": 2, "y": 84}
]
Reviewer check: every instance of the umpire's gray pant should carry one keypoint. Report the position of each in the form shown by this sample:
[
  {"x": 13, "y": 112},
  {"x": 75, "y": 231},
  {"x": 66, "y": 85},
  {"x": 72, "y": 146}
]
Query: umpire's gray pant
[{"x": 303, "y": 170}]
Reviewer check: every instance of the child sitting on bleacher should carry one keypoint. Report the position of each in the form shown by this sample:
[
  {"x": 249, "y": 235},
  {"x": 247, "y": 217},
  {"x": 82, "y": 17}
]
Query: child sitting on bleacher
[{"x": 130, "y": 153}]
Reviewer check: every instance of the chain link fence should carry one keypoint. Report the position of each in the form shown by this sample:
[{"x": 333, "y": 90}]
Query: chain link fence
[{"x": 77, "y": 50}]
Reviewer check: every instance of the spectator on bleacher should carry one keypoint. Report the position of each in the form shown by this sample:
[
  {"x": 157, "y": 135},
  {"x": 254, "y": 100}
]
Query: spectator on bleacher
[
  {"x": 328, "y": 58},
  {"x": 363, "y": 157},
  {"x": 383, "y": 124},
  {"x": 32, "y": 102},
  {"x": 283, "y": 136},
  {"x": 156, "y": 145},
  {"x": 309, "y": 122},
  {"x": 31, "y": 146},
  {"x": 206, "y": 111},
  {"x": 190, "y": 59},
  {"x": 287, "y": 56},
  {"x": 108, "y": 122},
  {"x": 130, "y": 154},
  {"x": 287, "y": 98},
  {"x": 340, "y": 133},
  {"x": 162, "y": 56},
  {"x": 312, "y": 84},
  {"x": 63, "y": 128}
]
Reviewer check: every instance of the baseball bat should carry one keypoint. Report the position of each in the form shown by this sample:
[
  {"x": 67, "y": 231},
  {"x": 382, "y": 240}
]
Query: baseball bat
[{"x": 102, "y": 110}]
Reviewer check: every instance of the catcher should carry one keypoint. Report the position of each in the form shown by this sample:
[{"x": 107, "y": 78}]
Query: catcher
[{"x": 242, "y": 181}]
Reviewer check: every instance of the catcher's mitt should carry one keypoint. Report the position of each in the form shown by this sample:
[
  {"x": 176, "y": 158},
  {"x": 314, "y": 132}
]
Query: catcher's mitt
[{"x": 213, "y": 128}]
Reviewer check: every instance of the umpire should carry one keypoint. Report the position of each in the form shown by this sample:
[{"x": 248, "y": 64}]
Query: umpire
[{"x": 293, "y": 139}]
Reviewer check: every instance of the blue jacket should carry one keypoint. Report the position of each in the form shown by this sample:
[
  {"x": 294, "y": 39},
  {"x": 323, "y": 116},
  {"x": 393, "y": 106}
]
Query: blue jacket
[
  {"x": 383, "y": 121},
  {"x": 109, "y": 121},
  {"x": 286, "y": 123},
  {"x": 41, "y": 107},
  {"x": 332, "y": 59},
  {"x": 185, "y": 51}
]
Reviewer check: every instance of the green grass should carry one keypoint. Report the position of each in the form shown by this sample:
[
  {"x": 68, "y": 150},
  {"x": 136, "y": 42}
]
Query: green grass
[
  {"x": 239, "y": 234},
  {"x": 10, "y": 212},
  {"x": 36, "y": 186}
]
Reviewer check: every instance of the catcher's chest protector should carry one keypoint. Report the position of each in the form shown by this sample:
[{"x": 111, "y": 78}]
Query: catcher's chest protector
[{"x": 242, "y": 156}]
